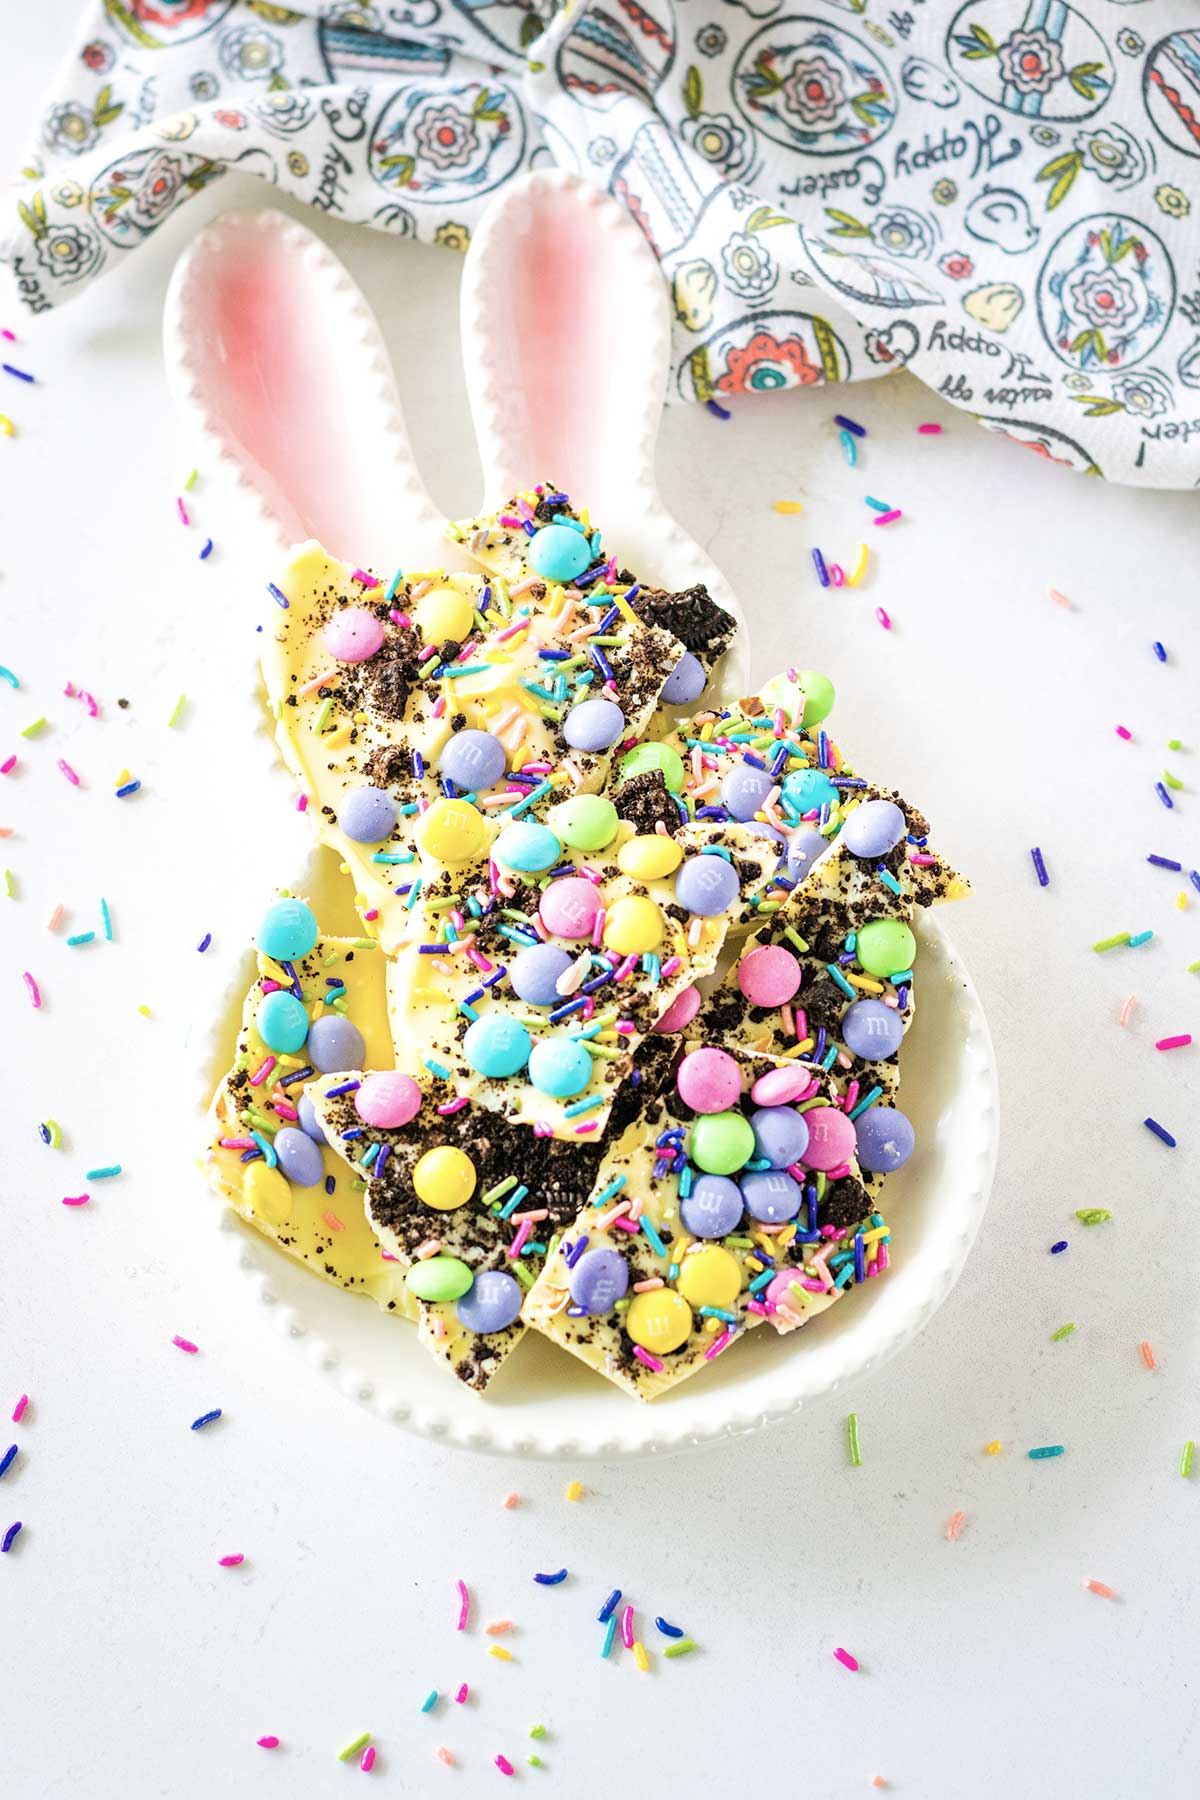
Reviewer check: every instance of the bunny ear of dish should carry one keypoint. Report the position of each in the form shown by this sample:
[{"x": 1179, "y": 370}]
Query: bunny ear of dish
[
  {"x": 279, "y": 367},
  {"x": 566, "y": 341}
]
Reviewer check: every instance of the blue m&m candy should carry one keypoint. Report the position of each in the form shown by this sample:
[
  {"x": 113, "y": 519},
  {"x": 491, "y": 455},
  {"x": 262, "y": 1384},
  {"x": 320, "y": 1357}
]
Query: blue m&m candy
[
  {"x": 282, "y": 1021},
  {"x": 368, "y": 815},
  {"x": 535, "y": 973},
  {"x": 334, "y": 1043},
  {"x": 593, "y": 724},
  {"x": 473, "y": 760},
  {"x": 686, "y": 682},
  {"x": 560, "y": 1067},
  {"x": 530, "y": 849},
  {"x": 492, "y": 1302},
  {"x": 309, "y": 1123},
  {"x": 885, "y": 1139},
  {"x": 744, "y": 789},
  {"x": 714, "y": 1207},
  {"x": 808, "y": 790},
  {"x": 771, "y": 1196},
  {"x": 873, "y": 828},
  {"x": 872, "y": 1030},
  {"x": 559, "y": 552},
  {"x": 599, "y": 1279},
  {"x": 497, "y": 1046},
  {"x": 707, "y": 885},
  {"x": 288, "y": 930},
  {"x": 780, "y": 1135},
  {"x": 299, "y": 1157}
]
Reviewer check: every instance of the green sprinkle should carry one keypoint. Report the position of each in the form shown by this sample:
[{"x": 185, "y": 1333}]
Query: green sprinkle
[
  {"x": 81, "y": 937},
  {"x": 358, "y": 1187},
  {"x": 55, "y": 1130},
  {"x": 534, "y": 1760},
  {"x": 103, "y": 1174},
  {"x": 175, "y": 716},
  {"x": 1185, "y": 1460},
  {"x": 323, "y": 712},
  {"x": 190, "y": 483},
  {"x": 523, "y": 1273},
  {"x": 537, "y": 1731},
  {"x": 360, "y": 1743},
  {"x": 852, "y": 1440},
  {"x": 795, "y": 938},
  {"x": 1172, "y": 781},
  {"x": 365, "y": 943},
  {"x": 1064, "y": 1331},
  {"x": 32, "y": 730},
  {"x": 1110, "y": 943},
  {"x": 1093, "y": 1215},
  {"x": 501, "y": 1187},
  {"x": 1174, "y": 743},
  {"x": 681, "y": 1647},
  {"x": 10, "y": 883},
  {"x": 106, "y": 917}
]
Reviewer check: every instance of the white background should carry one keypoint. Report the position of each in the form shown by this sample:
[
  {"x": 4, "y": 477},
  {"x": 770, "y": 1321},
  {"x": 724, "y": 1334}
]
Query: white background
[{"x": 132, "y": 1665}]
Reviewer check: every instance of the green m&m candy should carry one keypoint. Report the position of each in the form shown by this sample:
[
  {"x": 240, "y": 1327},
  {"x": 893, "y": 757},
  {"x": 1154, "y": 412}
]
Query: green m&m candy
[
  {"x": 721, "y": 1142},
  {"x": 587, "y": 822},
  {"x": 886, "y": 946},
  {"x": 439, "y": 1278},
  {"x": 817, "y": 690},
  {"x": 644, "y": 757}
]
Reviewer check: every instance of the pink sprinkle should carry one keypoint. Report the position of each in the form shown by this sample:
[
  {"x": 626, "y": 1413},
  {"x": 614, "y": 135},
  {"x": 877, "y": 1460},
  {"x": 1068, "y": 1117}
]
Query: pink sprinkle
[
  {"x": 954, "y": 1525},
  {"x": 524, "y": 1233},
  {"x": 230, "y": 1562},
  {"x": 837, "y": 574},
  {"x": 183, "y": 512},
  {"x": 7, "y": 767},
  {"x": 464, "y": 1607},
  {"x": 19, "y": 1409},
  {"x": 400, "y": 618},
  {"x": 263, "y": 1070},
  {"x": 1174, "y": 1043},
  {"x": 443, "y": 1755},
  {"x": 498, "y": 1627},
  {"x": 1127, "y": 1009},
  {"x": 9, "y": 336},
  {"x": 373, "y": 914},
  {"x": 462, "y": 1693},
  {"x": 847, "y": 1661},
  {"x": 56, "y": 917},
  {"x": 76, "y": 1200},
  {"x": 182, "y": 1343},
  {"x": 922, "y": 862},
  {"x": 627, "y": 1627},
  {"x": 888, "y": 518},
  {"x": 69, "y": 772},
  {"x": 267, "y": 1743},
  {"x": 718, "y": 1344},
  {"x": 453, "y": 1106},
  {"x": 511, "y": 1500},
  {"x": 237, "y": 1143},
  {"x": 651, "y": 1362},
  {"x": 1060, "y": 599},
  {"x": 368, "y": 1755},
  {"x": 929, "y": 430},
  {"x": 302, "y": 803},
  {"x": 1102, "y": 1588},
  {"x": 504, "y": 1766},
  {"x": 1123, "y": 732},
  {"x": 365, "y": 580},
  {"x": 883, "y": 618},
  {"x": 646, "y": 1287}
]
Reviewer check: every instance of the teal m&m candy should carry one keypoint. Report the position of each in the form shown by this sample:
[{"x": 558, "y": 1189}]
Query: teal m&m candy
[
  {"x": 886, "y": 947},
  {"x": 497, "y": 1046},
  {"x": 527, "y": 847},
  {"x": 559, "y": 552},
  {"x": 288, "y": 931},
  {"x": 644, "y": 757},
  {"x": 721, "y": 1142},
  {"x": 808, "y": 790},
  {"x": 586, "y": 822},
  {"x": 282, "y": 1021},
  {"x": 438, "y": 1279},
  {"x": 560, "y": 1067}
]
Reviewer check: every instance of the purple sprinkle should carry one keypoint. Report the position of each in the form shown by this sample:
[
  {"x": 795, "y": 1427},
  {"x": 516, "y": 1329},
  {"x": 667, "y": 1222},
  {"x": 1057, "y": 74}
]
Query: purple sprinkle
[
  {"x": 1040, "y": 867},
  {"x": 279, "y": 599},
  {"x": 21, "y": 376},
  {"x": 11, "y": 1534},
  {"x": 1056, "y": 1248},
  {"x": 1164, "y": 862},
  {"x": 849, "y": 425},
  {"x": 1163, "y": 795},
  {"x": 205, "y": 941},
  {"x": 819, "y": 565},
  {"x": 722, "y": 412}
]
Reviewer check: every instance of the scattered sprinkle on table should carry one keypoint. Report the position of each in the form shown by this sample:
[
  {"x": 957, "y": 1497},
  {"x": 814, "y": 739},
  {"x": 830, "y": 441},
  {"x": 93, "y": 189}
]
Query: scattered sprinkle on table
[
  {"x": 669, "y": 1630},
  {"x": 360, "y": 1743},
  {"x": 504, "y": 1766},
  {"x": 788, "y": 506},
  {"x": 33, "y": 990},
  {"x": 32, "y": 729},
  {"x": 1102, "y": 1588},
  {"x": 954, "y": 1526},
  {"x": 10, "y": 1537},
  {"x": 7, "y": 675},
  {"x": 682, "y": 1647},
  {"x": 267, "y": 1743},
  {"x": 718, "y": 411},
  {"x": 1159, "y": 652},
  {"x": 460, "y": 1697},
  {"x": 1172, "y": 781},
  {"x": 851, "y": 425},
  {"x": 127, "y": 788},
  {"x": 207, "y": 550},
  {"x": 177, "y": 712},
  {"x": 233, "y": 1561},
  {"x": 552, "y": 1580},
  {"x": 992, "y": 1449},
  {"x": 1164, "y": 862},
  {"x": 1163, "y": 795},
  {"x": 1174, "y": 1043},
  {"x": 847, "y": 1661},
  {"x": 205, "y": 941},
  {"x": 464, "y": 1605},
  {"x": 1160, "y": 1131},
  {"x": 1127, "y": 1009},
  {"x": 430, "y": 1701},
  {"x": 367, "y": 1760},
  {"x": 888, "y": 518},
  {"x": 20, "y": 1408},
  {"x": 1064, "y": 1331},
  {"x": 104, "y": 1174},
  {"x": 1039, "y": 866},
  {"x": 76, "y": 1199},
  {"x": 444, "y": 1756},
  {"x": 186, "y": 1345},
  {"x": 1122, "y": 731},
  {"x": 21, "y": 374},
  {"x": 884, "y": 618},
  {"x": 852, "y": 1442},
  {"x": 207, "y": 1418},
  {"x": 106, "y": 920},
  {"x": 1111, "y": 943},
  {"x": 1185, "y": 1459},
  {"x": 1046, "y": 1450},
  {"x": 6, "y": 1461},
  {"x": 575, "y": 1490},
  {"x": 511, "y": 1500},
  {"x": 1060, "y": 599},
  {"x": 1148, "y": 1354},
  {"x": 1093, "y": 1215},
  {"x": 929, "y": 430},
  {"x": 500, "y": 1653}
]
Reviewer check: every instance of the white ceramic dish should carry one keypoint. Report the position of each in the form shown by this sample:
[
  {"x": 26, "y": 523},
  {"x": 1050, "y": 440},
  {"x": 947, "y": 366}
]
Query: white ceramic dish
[{"x": 311, "y": 443}]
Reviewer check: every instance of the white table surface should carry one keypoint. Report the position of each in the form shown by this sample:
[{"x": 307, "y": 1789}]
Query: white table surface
[{"x": 132, "y": 1664}]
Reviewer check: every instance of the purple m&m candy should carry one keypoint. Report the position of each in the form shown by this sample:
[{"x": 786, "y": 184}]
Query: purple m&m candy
[
  {"x": 309, "y": 1123},
  {"x": 873, "y": 828},
  {"x": 299, "y": 1157},
  {"x": 804, "y": 847},
  {"x": 713, "y": 1208},
  {"x": 872, "y": 1030},
  {"x": 599, "y": 1279},
  {"x": 335, "y": 1043},
  {"x": 354, "y": 634},
  {"x": 744, "y": 789},
  {"x": 368, "y": 815},
  {"x": 687, "y": 681},
  {"x": 536, "y": 972},
  {"x": 473, "y": 760},
  {"x": 808, "y": 790},
  {"x": 492, "y": 1302},
  {"x": 593, "y": 724},
  {"x": 885, "y": 1139},
  {"x": 780, "y": 1135},
  {"x": 707, "y": 885},
  {"x": 771, "y": 1196}
]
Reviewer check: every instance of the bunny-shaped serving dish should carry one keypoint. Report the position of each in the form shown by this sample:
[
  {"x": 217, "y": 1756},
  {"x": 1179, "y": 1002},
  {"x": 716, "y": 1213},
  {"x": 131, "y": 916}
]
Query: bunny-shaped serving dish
[{"x": 281, "y": 373}]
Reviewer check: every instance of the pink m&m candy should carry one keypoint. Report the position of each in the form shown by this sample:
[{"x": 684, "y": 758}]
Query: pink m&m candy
[
  {"x": 681, "y": 1011},
  {"x": 387, "y": 1099},
  {"x": 353, "y": 635},
  {"x": 831, "y": 1138},
  {"x": 710, "y": 1081},
  {"x": 769, "y": 975},
  {"x": 778, "y": 1087},
  {"x": 569, "y": 906}
]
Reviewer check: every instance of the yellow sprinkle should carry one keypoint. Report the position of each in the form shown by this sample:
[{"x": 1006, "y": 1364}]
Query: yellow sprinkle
[
  {"x": 992, "y": 1449},
  {"x": 145, "y": 1012},
  {"x": 1181, "y": 899},
  {"x": 866, "y": 984},
  {"x": 122, "y": 778},
  {"x": 640, "y": 1657},
  {"x": 788, "y": 506},
  {"x": 7, "y": 426},
  {"x": 500, "y": 1653},
  {"x": 575, "y": 1491},
  {"x": 626, "y": 611},
  {"x": 860, "y": 567}
]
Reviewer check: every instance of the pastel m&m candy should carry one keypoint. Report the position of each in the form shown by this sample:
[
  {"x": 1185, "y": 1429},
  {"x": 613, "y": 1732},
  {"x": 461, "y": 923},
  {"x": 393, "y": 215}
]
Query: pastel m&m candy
[
  {"x": 560, "y": 1067},
  {"x": 282, "y": 1021},
  {"x": 452, "y": 831},
  {"x": 831, "y": 1139},
  {"x": 771, "y": 1196},
  {"x": 559, "y": 552},
  {"x": 873, "y": 828},
  {"x": 568, "y": 907},
  {"x": 497, "y": 1046},
  {"x": 714, "y": 1207},
  {"x": 444, "y": 613},
  {"x": 599, "y": 1279},
  {"x": 473, "y": 759},
  {"x": 681, "y": 1011},
  {"x": 367, "y": 815},
  {"x": 872, "y": 1030},
  {"x": 306, "y": 1114},
  {"x": 686, "y": 682},
  {"x": 444, "y": 1178},
  {"x": 786, "y": 691},
  {"x": 707, "y": 885},
  {"x": 387, "y": 1099},
  {"x": 335, "y": 1043},
  {"x": 438, "y": 1279},
  {"x": 353, "y": 634},
  {"x": 709, "y": 1080},
  {"x": 633, "y": 926},
  {"x": 885, "y": 947},
  {"x": 593, "y": 724},
  {"x": 645, "y": 757},
  {"x": 586, "y": 821},
  {"x": 649, "y": 858},
  {"x": 720, "y": 1143},
  {"x": 491, "y": 1303},
  {"x": 288, "y": 930},
  {"x": 710, "y": 1277},
  {"x": 769, "y": 975},
  {"x": 808, "y": 790},
  {"x": 529, "y": 848},
  {"x": 885, "y": 1139},
  {"x": 779, "y": 1086},
  {"x": 536, "y": 972},
  {"x": 744, "y": 789},
  {"x": 299, "y": 1157},
  {"x": 780, "y": 1134},
  {"x": 659, "y": 1321},
  {"x": 804, "y": 847}
]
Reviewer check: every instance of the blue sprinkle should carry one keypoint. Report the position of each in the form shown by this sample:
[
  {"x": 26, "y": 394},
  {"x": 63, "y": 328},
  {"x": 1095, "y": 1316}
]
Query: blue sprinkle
[
  {"x": 611, "y": 1631},
  {"x": 10, "y": 1535},
  {"x": 1163, "y": 795},
  {"x": 131, "y": 787},
  {"x": 279, "y": 599},
  {"x": 722, "y": 412},
  {"x": 205, "y": 941},
  {"x": 207, "y": 550},
  {"x": 21, "y": 376},
  {"x": 1160, "y": 1131},
  {"x": 430, "y": 1701},
  {"x": 6, "y": 1460},
  {"x": 1160, "y": 653},
  {"x": 849, "y": 425},
  {"x": 207, "y": 1418},
  {"x": 675, "y": 1631},
  {"x": 610, "y": 1606},
  {"x": 551, "y": 1580},
  {"x": 1047, "y": 1450},
  {"x": 1061, "y": 1245}
]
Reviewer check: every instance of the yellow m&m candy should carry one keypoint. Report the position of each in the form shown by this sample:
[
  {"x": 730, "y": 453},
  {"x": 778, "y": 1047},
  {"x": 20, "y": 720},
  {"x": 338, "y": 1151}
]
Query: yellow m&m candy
[
  {"x": 634, "y": 926},
  {"x": 444, "y": 1178},
  {"x": 452, "y": 831},
  {"x": 710, "y": 1277},
  {"x": 649, "y": 858},
  {"x": 268, "y": 1193},
  {"x": 442, "y": 614},
  {"x": 659, "y": 1321}
]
